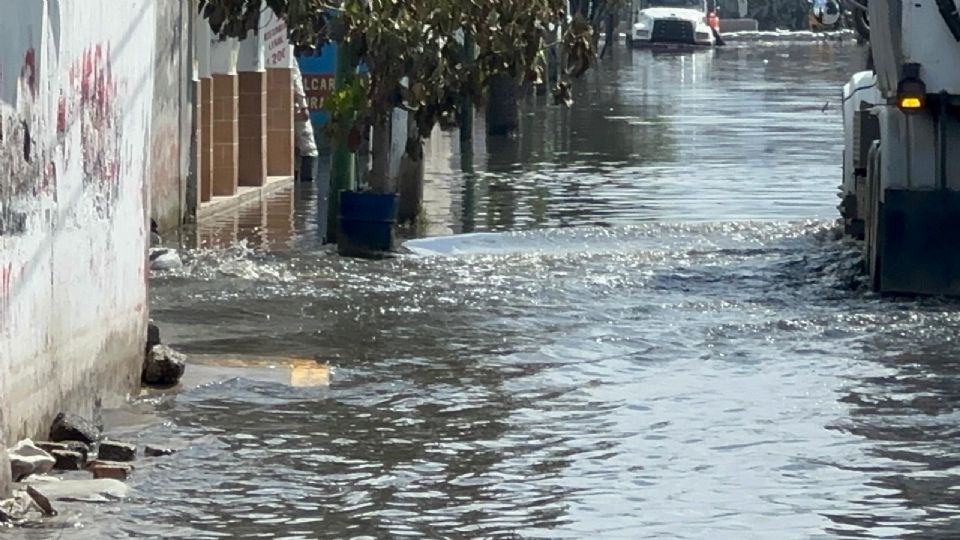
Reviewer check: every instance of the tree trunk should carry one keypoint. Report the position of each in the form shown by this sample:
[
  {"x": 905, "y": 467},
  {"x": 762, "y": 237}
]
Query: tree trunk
[
  {"x": 380, "y": 178},
  {"x": 503, "y": 107},
  {"x": 411, "y": 176},
  {"x": 469, "y": 202},
  {"x": 466, "y": 104},
  {"x": 411, "y": 189}
]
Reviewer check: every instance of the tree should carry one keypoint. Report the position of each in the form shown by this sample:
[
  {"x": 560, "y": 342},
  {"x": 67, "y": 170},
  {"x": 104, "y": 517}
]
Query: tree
[
  {"x": 609, "y": 12},
  {"x": 602, "y": 15},
  {"x": 415, "y": 53}
]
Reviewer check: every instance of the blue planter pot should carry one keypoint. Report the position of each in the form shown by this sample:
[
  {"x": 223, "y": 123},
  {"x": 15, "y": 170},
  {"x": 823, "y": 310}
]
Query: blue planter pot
[{"x": 368, "y": 224}]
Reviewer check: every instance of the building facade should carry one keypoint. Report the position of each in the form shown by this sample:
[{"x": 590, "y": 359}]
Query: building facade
[
  {"x": 76, "y": 111},
  {"x": 114, "y": 113},
  {"x": 245, "y": 109}
]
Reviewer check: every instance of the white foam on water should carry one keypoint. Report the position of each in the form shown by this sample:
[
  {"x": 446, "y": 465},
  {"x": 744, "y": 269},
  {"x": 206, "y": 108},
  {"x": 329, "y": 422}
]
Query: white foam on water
[
  {"x": 460, "y": 244},
  {"x": 789, "y": 36},
  {"x": 588, "y": 240}
]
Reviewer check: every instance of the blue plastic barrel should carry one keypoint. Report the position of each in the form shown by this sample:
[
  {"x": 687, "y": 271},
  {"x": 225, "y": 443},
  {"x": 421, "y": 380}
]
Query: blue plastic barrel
[{"x": 367, "y": 224}]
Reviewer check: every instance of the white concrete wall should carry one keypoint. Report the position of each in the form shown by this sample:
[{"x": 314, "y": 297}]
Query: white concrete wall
[
  {"x": 76, "y": 87},
  {"x": 172, "y": 117},
  {"x": 251, "y": 54},
  {"x": 224, "y": 55},
  {"x": 204, "y": 42}
]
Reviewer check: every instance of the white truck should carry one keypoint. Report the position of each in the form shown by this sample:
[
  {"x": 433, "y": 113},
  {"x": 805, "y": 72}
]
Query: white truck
[
  {"x": 901, "y": 188},
  {"x": 672, "y": 23}
]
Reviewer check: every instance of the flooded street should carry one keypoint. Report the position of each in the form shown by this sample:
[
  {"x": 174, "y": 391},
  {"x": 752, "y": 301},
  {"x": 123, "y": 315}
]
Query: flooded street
[{"x": 656, "y": 332}]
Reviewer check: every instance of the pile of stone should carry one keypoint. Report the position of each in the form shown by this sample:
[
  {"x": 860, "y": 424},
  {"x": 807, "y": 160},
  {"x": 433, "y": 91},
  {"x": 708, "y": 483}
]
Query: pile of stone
[
  {"x": 75, "y": 444},
  {"x": 162, "y": 366}
]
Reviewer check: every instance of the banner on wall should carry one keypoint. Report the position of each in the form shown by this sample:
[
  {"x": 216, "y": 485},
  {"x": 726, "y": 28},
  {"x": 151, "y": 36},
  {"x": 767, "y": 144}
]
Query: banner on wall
[{"x": 318, "y": 70}]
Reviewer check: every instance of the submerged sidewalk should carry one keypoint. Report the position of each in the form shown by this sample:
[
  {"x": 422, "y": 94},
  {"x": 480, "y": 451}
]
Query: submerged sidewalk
[{"x": 245, "y": 195}]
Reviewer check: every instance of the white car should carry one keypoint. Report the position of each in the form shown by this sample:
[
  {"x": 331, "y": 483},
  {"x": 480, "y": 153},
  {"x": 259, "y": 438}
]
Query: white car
[{"x": 673, "y": 22}]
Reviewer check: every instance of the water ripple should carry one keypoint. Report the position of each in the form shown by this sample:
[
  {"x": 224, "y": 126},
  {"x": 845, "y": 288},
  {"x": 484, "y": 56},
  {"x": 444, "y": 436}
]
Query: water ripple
[{"x": 669, "y": 339}]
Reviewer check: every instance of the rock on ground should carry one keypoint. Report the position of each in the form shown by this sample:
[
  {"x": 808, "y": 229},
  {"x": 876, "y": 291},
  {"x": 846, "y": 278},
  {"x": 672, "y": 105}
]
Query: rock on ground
[
  {"x": 70, "y": 455},
  {"x": 153, "y": 451},
  {"x": 110, "y": 470},
  {"x": 70, "y": 427},
  {"x": 67, "y": 446},
  {"x": 84, "y": 490},
  {"x": 68, "y": 460},
  {"x": 42, "y": 501},
  {"x": 163, "y": 366},
  {"x": 15, "y": 508},
  {"x": 49, "y": 447},
  {"x": 77, "y": 446},
  {"x": 27, "y": 458},
  {"x": 153, "y": 336},
  {"x": 163, "y": 259},
  {"x": 116, "y": 451}
]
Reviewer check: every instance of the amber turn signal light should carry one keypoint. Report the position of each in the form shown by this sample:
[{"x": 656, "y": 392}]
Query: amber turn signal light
[{"x": 911, "y": 92}]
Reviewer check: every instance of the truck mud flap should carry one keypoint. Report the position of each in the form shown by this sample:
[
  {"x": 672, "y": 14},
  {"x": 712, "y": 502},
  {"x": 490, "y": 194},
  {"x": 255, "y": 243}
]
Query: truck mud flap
[{"x": 920, "y": 242}]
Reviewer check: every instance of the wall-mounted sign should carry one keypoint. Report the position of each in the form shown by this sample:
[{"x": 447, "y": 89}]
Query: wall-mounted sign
[{"x": 278, "y": 52}]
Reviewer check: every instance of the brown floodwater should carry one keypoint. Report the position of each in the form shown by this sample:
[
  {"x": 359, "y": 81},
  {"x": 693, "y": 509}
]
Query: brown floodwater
[{"x": 635, "y": 320}]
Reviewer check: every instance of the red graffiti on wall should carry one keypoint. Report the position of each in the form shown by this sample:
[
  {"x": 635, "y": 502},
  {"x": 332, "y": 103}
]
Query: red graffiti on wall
[
  {"x": 62, "y": 115},
  {"x": 50, "y": 178},
  {"x": 91, "y": 101},
  {"x": 28, "y": 72}
]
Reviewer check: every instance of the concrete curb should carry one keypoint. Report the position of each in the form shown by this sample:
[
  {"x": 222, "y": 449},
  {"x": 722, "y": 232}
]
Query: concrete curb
[{"x": 244, "y": 196}]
